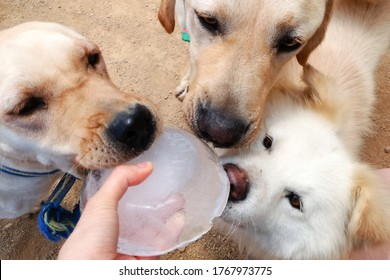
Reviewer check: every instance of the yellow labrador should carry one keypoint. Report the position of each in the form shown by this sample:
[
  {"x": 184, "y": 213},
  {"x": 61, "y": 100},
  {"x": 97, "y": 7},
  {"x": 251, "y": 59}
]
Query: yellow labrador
[
  {"x": 59, "y": 111},
  {"x": 299, "y": 191},
  {"x": 237, "y": 50}
]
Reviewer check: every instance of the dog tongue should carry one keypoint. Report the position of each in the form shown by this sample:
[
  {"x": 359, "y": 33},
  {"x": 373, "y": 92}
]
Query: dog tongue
[{"x": 238, "y": 182}]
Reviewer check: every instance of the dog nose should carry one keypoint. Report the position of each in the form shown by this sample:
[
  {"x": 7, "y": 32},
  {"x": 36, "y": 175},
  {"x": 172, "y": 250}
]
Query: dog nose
[
  {"x": 239, "y": 182},
  {"x": 217, "y": 127},
  {"x": 134, "y": 129}
]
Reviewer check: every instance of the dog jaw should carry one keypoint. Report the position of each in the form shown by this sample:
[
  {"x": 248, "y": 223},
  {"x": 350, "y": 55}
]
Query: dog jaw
[
  {"x": 345, "y": 205},
  {"x": 319, "y": 170},
  {"x": 234, "y": 68},
  {"x": 60, "y": 100}
]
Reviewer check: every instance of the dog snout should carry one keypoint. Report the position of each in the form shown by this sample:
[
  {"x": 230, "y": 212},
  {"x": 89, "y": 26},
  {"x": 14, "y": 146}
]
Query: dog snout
[
  {"x": 218, "y": 127},
  {"x": 133, "y": 129}
]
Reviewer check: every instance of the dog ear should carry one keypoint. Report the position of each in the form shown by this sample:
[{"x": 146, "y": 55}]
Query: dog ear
[
  {"x": 321, "y": 93},
  {"x": 318, "y": 36},
  {"x": 370, "y": 218},
  {"x": 316, "y": 85},
  {"x": 166, "y": 15}
]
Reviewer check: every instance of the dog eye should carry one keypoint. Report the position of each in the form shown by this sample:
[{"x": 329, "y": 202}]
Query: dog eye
[
  {"x": 267, "y": 142},
  {"x": 30, "y": 106},
  {"x": 208, "y": 22},
  {"x": 93, "y": 59},
  {"x": 295, "y": 201},
  {"x": 289, "y": 44}
]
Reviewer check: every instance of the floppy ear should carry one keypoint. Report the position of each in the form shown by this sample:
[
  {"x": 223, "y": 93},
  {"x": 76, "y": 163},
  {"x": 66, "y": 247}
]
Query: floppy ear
[
  {"x": 316, "y": 83},
  {"x": 166, "y": 15},
  {"x": 318, "y": 36},
  {"x": 370, "y": 217},
  {"x": 319, "y": 92}
]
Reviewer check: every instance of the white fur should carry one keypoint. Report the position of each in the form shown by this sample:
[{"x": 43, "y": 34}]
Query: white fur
[
  {"x": 234, "y": 68},
  {"x": 68, "y": 129},
  {"x": 314, "y": 154},
  {"x": 18, "y": 48}
]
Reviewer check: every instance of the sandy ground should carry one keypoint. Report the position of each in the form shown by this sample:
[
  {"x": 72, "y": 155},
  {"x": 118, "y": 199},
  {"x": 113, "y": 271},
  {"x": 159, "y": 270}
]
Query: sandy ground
[{"x": 141, "y": 56}]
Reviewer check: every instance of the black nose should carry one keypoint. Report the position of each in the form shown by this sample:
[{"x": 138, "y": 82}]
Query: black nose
[
  {"x": 133, "y": 129},
  {"x": 218, "y": 127}
]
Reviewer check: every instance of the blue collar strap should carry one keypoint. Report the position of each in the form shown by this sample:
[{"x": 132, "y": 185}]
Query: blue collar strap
[
  {"x": 54, "y": 221},
  {"x": 25, "y": 174}
]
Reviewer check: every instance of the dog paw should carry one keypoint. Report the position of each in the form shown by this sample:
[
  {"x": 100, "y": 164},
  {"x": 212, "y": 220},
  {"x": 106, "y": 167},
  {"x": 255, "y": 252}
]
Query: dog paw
[
  {"x": 181, "y": 92},
  {"x": 182, "y": 89}
]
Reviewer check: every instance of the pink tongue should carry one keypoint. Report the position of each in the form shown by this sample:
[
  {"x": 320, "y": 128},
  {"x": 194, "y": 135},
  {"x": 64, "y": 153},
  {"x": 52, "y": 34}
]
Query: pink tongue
[{"x": 238, "y": 182}]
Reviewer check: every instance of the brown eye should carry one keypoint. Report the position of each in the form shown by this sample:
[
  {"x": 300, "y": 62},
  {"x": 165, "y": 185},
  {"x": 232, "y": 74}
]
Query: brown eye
[
  {"x": 93, "y": 59},
  {"x": 267, "y": 142},
  {"x": 210, "y": 20},
  {"x": 30, "y": 106},
  {"x": 295, "y": 201},
  {"x": 289, "y": 44},
  {"x": 209, "y": 23}
]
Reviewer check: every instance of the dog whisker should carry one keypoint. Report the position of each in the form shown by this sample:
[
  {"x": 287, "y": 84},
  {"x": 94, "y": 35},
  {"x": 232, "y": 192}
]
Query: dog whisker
[
  {"x": 233, "y": 228},
  {"x": 254, "y": 224}
]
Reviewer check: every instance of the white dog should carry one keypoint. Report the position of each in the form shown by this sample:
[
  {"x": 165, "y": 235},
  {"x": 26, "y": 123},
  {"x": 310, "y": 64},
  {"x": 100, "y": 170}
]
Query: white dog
[
  {"x": 60, "y": 112},
  {"x": 299, "y": 191}
]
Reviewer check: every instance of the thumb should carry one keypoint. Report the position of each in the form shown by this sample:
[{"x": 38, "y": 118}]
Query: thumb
[{"x": 121, "y": 178}]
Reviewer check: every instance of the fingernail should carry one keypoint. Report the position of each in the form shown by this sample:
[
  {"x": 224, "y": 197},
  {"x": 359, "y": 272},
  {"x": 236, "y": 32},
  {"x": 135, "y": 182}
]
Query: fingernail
[{"x": 144, "y": 164}]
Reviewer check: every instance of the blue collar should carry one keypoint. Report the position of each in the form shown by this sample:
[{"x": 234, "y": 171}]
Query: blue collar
[{"x": 25, "y": 174}]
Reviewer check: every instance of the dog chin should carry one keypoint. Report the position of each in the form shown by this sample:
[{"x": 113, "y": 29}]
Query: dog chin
[{"x": 234, "y": 218}]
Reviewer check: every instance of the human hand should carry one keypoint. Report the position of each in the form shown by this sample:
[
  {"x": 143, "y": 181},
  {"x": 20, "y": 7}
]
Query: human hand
[
  {"x": 156, "y": 227},
  {"x": 96, "y": 233}
]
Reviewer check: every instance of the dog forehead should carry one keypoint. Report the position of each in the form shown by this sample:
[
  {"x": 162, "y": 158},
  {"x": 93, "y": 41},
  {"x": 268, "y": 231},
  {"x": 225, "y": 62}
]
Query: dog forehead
[
  {"x": 212, "y": 6},
  {"x": 306, "y": 151},
  {"x": 42, "y": 42},
  {"x": 302, "y": 133},
  {"x": 36, "y": 45},
  {"x": 37, "y": 53},
  {"x": 263, "y": 9},
  {"x": 265, "y": 19}
]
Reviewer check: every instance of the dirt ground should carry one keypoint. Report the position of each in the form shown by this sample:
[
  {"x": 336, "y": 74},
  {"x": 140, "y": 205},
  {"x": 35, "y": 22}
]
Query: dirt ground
[{"x": 142, "y": 57}]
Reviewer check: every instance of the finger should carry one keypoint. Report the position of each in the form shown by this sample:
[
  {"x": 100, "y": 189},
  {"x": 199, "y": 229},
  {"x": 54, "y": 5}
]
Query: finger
[
  {"x": 121, "y": 178},
  {"x": 126, "y": 257}
]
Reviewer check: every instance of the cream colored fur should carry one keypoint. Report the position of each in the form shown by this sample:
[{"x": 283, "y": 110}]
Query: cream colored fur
[
  {"x": 233, "y": 69},
  {"x": 55, "y": 106},
  {"x": 317, "y": 128}
]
